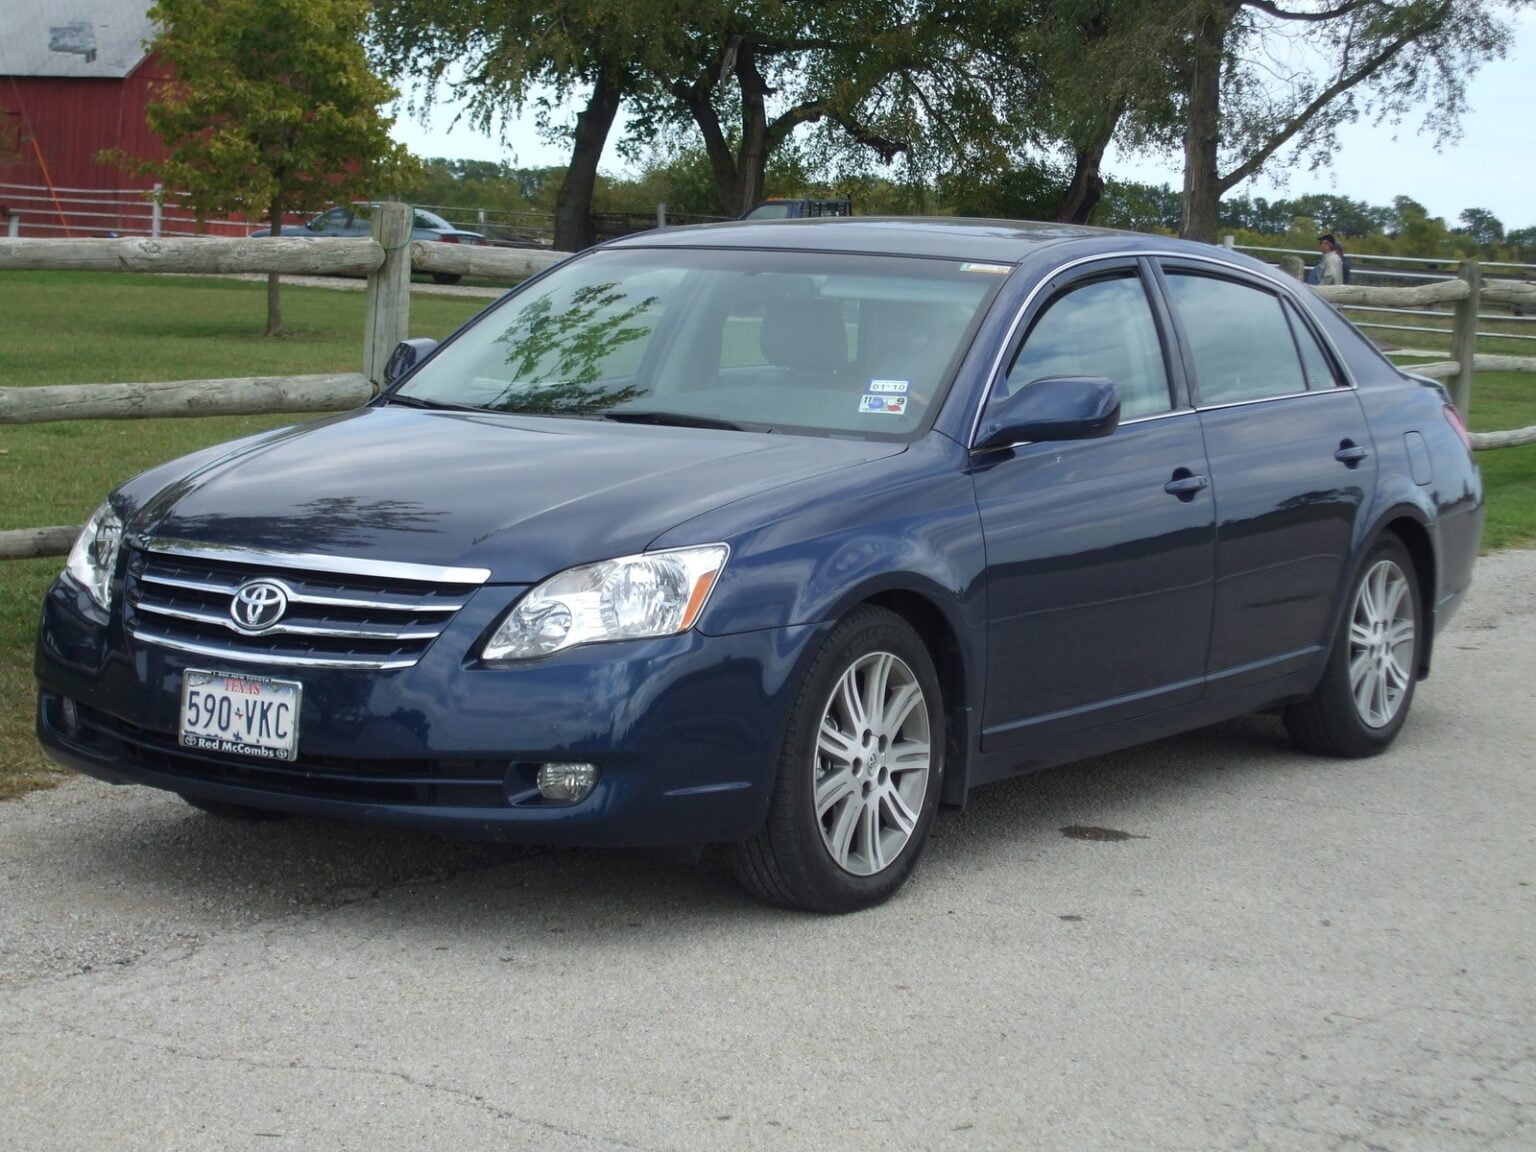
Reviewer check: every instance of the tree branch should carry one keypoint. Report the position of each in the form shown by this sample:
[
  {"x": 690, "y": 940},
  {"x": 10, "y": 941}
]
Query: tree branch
[
  {"x": 1311, "y": 17},
  {"x": 1342, "y": 84}
]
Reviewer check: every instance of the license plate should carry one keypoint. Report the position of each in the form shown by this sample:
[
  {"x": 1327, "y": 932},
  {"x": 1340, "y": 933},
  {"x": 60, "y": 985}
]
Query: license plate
[{"x": 249, "y": 715}]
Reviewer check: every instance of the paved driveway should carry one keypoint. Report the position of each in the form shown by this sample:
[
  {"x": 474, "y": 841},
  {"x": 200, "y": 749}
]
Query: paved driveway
[{"x": 1285, "y": 953}]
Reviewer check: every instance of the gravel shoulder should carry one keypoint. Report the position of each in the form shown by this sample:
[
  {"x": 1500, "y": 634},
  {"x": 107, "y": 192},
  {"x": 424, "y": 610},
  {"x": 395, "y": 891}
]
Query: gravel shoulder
[{"x": 1288, "y": 953}]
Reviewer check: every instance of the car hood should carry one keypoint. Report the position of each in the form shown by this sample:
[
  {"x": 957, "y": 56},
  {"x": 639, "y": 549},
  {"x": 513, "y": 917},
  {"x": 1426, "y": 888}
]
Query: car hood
[{"x": 521, "y": 496}]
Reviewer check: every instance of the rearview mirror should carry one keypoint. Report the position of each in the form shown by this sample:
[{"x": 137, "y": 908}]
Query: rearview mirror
[
  {"x": 405, "y": 357},
  {"x": 1053, "y": 408}
]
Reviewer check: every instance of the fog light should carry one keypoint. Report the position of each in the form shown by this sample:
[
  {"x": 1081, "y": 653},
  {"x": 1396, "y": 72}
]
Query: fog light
[
  {"x": 70, "y": 715},
  {"x": 567, "y": 783}
]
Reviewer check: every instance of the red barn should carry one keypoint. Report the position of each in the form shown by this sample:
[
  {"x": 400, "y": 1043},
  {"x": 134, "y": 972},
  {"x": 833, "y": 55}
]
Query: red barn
[{"x": 75, "y": 77}]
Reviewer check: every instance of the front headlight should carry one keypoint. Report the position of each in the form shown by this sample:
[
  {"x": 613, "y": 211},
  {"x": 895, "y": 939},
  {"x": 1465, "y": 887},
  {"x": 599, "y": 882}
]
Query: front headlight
[
  {"x": 94, "y": 555},
  {"x": 631, "y": 598}
]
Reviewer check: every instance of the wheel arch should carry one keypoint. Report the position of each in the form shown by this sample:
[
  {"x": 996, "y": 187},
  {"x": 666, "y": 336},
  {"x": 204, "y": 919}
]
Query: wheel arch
[
  {"x": 943, "y": 643},
  {"x": 1411, "y": 531}
]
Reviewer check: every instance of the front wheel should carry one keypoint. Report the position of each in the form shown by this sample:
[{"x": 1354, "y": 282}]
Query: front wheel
[
  {"x": 1363, "y": 698},
  {"x": 859, "y": 772},
  {"x": 446, "y": 277}
]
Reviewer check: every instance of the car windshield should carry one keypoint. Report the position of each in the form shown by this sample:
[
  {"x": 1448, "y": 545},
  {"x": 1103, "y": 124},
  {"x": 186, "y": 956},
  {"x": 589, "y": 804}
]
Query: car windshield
[{"x": 823, "y": 343}]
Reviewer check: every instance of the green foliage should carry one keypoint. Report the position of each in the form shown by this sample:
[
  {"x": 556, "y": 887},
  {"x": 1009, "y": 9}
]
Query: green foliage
[
  {"x": 272, "y": 108},
  {"x": 1024, "y": 190}
]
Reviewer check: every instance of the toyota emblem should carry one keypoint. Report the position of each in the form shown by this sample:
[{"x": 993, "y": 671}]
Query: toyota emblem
[{"x": 258, "y": 605}]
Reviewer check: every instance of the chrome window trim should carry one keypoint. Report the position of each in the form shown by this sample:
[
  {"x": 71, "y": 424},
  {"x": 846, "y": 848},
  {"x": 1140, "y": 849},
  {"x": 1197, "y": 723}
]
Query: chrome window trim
[
  {"x": 1154, "y": 254},
  {"x": 315, "y": 562},
  {"x": 236, "y": 657},
  {"x": 1336, "y": 390}
]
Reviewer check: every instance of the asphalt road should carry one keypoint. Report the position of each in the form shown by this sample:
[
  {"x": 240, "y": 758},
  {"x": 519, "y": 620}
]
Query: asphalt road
[{"x": 1286, "y": 953}]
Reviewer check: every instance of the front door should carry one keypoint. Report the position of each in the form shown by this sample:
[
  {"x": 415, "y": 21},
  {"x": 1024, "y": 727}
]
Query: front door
[{"x": 1100, "y": 553}]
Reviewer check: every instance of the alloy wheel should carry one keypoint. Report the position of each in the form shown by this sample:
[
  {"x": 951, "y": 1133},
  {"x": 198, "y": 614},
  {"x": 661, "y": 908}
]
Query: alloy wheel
[
  {"x": 873, "y": 755},
  {"x": 1382, "y": 644}
]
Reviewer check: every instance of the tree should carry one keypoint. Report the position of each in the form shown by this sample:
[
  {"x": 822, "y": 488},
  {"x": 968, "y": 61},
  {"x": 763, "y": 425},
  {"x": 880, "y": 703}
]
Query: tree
[
  {"x": 1385, "y": 58},
  {"x": 272, "y": 109},
  {"x": 492, "y": 53},
  {"x": 1482, "y": 226}
]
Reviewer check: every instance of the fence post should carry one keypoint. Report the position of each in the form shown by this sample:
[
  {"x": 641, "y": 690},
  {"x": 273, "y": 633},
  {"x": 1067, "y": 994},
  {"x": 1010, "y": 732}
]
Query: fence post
[
  {"x": 388, "y": 315},
  {"x": 661, "y": 214},
  {"x": 1464, "y": 333},
  {"x": 155, "y": 210},
  {"x": 1229, "y": 242}
]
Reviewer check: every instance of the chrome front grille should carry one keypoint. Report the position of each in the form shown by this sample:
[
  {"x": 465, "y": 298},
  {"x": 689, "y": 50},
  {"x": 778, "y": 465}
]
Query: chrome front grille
[{"x": 335, "y": 612}]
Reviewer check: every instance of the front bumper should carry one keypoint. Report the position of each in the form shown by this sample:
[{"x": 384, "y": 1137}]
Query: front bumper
[{"x": 686, "y": 730}]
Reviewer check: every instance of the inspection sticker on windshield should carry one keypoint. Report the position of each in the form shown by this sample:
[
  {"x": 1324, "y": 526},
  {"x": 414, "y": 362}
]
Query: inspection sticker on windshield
[
  {"x": 886, "y": 405},
  {"x": 887, "y": 386},
  {"x": 989, "y": 269}
]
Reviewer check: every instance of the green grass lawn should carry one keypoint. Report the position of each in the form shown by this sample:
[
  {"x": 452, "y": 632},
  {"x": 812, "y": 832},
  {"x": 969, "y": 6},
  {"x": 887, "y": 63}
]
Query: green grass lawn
[{"x": 79, "y": 328}]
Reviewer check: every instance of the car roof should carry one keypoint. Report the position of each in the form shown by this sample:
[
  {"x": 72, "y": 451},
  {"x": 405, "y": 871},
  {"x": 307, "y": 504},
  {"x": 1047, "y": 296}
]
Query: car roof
[{"x": 1010, "y": 241}]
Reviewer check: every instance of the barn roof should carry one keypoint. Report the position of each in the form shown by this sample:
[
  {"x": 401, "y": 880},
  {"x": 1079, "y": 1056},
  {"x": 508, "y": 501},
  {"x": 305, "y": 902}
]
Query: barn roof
[{"x": 82, "y": 38}]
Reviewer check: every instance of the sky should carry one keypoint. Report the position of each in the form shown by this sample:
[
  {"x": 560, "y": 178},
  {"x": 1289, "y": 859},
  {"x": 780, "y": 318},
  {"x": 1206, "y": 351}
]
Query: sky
[{"x": 1492, "y": 165}]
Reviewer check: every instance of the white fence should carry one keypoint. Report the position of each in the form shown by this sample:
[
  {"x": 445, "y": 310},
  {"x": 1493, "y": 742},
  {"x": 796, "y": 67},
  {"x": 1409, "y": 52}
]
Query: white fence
[{"x": 73, "y": 213}]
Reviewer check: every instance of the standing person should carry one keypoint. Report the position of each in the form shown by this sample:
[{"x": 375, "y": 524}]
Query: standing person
[{"x": 1330, "y": 268}]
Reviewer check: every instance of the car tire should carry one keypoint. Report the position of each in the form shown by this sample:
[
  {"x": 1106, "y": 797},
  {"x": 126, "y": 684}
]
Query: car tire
[
  {"x": 446, "y": 277},
  {"x": 1363, "y": 698},
  {"x": 225, "y": 810},
  {"x": 849, "y": 812}
]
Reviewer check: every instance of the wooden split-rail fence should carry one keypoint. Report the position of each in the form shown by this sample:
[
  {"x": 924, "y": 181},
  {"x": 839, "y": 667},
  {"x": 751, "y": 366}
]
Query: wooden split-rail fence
[{"x": 388, "y": 258}]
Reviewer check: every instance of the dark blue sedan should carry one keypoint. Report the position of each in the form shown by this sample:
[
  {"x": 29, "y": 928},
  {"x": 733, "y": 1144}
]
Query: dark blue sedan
[{"x": 779, "y": 536}]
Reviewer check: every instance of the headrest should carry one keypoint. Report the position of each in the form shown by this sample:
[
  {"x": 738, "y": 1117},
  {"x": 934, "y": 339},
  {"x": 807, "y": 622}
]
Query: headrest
[{"x": 804, "y": 333}]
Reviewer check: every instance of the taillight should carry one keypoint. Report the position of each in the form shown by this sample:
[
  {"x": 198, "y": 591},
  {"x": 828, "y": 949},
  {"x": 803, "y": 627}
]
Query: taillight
[
  {"x": 1453, "y": 418},
  {"x": 449, "y": 239}
]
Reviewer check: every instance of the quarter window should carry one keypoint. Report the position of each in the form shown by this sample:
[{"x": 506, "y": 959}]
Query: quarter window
[
  {"x": 1314, "y": 362},
  {"x": 1239, "y": 339},
  {"x": 1102, "y": 328}
]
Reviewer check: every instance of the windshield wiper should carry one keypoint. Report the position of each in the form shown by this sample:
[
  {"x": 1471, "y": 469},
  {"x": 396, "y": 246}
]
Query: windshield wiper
[
  {"x": 673, "y": 420},
  {"x": 430, "y": 405}
]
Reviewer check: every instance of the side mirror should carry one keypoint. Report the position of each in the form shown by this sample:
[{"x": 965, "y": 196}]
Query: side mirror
[
  {"x": 1053, "y": 408},
  {"x": 405, "y": 357}
]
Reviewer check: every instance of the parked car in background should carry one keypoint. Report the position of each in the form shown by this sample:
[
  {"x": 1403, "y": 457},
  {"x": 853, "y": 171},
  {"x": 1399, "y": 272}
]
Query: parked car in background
[
  {"x": 353, "y": 220},
  {"x": 799, "y": 209},
  {"x": 778, "y": 536}
]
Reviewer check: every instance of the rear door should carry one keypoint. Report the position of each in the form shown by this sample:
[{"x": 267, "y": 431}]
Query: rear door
[
  {"x": 1100, "y": 553},
  {"x": 1292, "y": 466}
]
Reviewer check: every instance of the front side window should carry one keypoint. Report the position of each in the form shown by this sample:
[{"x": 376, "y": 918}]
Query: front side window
[
  {"x": 825, "y": 343},
  {"x": 1102, "y": 328},
  {"x": 1239, "y": 339}
]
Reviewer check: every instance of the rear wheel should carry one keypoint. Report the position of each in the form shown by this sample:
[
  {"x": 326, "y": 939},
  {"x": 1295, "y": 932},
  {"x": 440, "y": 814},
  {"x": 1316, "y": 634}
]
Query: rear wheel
[
  {"x": 1363, "y": 698},
  {"x": 859, "y": 772},
  {"x": 227, "y": 811}
]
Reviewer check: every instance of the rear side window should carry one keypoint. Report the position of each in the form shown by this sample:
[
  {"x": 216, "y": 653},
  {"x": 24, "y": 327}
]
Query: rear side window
[
  {"x": 1101, "y": 328},
  {"x": 1314, "y": 362},
  {"x": 1239, "y": 338}
]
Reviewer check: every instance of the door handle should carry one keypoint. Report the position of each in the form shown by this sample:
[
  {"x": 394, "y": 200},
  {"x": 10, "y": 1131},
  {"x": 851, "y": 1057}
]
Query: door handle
[
  {"x": 1185, "y": 484},
  {"x": 1350, "y": 453}
]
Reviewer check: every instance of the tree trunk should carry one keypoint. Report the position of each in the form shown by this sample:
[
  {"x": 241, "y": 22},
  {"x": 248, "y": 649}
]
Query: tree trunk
[
  {"x": 752, "y": 154},
  {"x": 274, "y": 282},
  {"x": 1087, "y": 187},
  {"x": 1202, "y": 130},
  {"x": 573, "y": 204}
]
